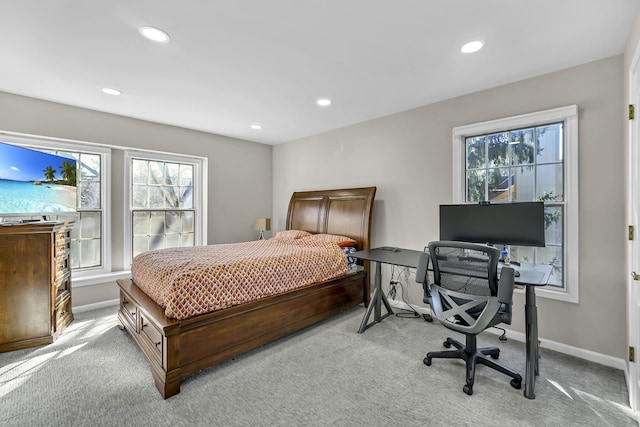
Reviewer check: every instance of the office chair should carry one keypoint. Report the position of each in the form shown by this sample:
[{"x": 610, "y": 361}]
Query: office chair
[{"x": 467, "y": 297}]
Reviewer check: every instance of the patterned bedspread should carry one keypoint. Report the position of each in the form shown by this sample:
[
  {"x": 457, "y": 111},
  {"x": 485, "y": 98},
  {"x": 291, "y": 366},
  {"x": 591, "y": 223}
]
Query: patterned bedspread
[{"x": 196, "y": 280}]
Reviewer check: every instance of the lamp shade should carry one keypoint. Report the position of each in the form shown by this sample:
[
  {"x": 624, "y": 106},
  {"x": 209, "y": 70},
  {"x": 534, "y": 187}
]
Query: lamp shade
[{"x": 263, "y": 224}]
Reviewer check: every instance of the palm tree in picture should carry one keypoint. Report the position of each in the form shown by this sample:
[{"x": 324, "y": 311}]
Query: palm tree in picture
[
  {"x": 68, "y": 171},
  {"x": 49, "y": 173}
]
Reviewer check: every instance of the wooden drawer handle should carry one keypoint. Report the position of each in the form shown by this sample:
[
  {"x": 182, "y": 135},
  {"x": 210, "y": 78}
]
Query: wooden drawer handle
[{"x": 158, "y": 344}]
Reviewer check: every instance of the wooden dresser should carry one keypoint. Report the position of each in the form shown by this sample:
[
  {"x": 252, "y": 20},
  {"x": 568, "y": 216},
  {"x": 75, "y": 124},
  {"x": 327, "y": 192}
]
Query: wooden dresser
[{"x": 35, "y": 283}]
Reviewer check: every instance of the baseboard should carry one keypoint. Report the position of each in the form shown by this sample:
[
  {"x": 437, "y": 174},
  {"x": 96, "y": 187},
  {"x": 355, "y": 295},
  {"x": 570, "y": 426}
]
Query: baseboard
[
  {"x": 582, "y": 353},
  {"x": 95, "y": 306}
]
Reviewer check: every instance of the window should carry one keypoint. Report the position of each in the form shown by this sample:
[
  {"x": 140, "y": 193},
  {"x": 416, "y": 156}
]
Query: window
[
  {"x": 165, "y": 202},
  {"x": 528, "y": 158},
  {"x": 89, "y": 238}
]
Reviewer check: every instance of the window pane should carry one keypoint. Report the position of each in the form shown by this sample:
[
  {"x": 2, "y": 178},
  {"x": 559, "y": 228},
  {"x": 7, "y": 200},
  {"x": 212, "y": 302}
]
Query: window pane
[
  {"x": 188, "y": 239},
  {"x": 476, "y": 152},
  {"x": 156, "y": 173},
  {"x": 553, "y": 224},
  {"x": 551, "y": 255},
  {"x": 186, "y": 198},
  {"x": 172, "y": 222},
  {"x": 90, "y": 225},
  {"x": 172, "y": 174},
  {"x": 89, "y": 195},
  {"x": 499, "y": 181},
  {"x": 140, "y": 244},
  {"x": 173, "y": 240},
  {"x": 524, "y": 184},
  {"x": 90, "y": 253},
  {"x": 141, "y": 223},
  {"x": 89, "y": 167},
  {"x": 522, "y": 254},
  {"x": 549, "y": 183},
  {"x": 522, "y": 147},
  {"x": 186, "y": 175},
  {"x": 75, "y": 259},
  {"x": 187, "y": 222},
  {"x": 476, "y": 183},
  {"x": 156, "y": 197},
  {"x": 140, "y": 171},
  {"x": 550, "y": 144},
  {"x": 172, "y": 197},
  {"x": 139, "y": 195},
  {"x": 156, "y": 223},
  {"x": 497, "y": 149},
  {"x": 156, "y": 242}
]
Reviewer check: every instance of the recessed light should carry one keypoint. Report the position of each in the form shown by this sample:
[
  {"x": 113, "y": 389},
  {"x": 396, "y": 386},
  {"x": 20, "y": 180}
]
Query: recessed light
[
  {"x": 111, "y": 91},
  {"x": 154, "y": 34},
  {"x": 256, "y": 126},
  {"x": 323, "y": 102},
  {"x": 471, "y": 47}
]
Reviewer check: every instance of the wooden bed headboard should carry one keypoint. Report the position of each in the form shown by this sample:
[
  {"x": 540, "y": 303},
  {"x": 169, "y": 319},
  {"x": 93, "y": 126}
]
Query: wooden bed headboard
[{"x": 346, "y": 212}]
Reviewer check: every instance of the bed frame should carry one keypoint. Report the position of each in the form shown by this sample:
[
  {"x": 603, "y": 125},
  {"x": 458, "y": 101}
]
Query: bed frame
[{"x": 178, "y": 348}]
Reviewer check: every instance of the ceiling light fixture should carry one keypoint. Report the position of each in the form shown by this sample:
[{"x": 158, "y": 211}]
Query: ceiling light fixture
[
  {"x": 323, "y": 102},
  {"x": 111, "y": 91},
  {"x": 471, "y": 47},
  {"x": 154, "y": 34},
  {"x": 256, "y": 126}
]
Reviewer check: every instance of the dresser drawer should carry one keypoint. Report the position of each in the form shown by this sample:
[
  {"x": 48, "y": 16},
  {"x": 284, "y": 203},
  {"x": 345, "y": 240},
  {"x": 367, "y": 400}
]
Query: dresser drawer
[
  {"x": 63, "y": 314},
  {"x": 152, "y": 337},
  {"x": 62, "y": 283},
  {"x": 129, "y": 311}
]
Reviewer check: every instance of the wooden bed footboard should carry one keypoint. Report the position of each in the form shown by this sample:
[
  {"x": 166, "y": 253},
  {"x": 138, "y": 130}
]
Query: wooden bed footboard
[{"x": 178, "y": 348}]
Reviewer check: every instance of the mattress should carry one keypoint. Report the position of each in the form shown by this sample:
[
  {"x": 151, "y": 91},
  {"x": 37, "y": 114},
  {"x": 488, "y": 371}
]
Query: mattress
[{"x": 187, "y": 282}]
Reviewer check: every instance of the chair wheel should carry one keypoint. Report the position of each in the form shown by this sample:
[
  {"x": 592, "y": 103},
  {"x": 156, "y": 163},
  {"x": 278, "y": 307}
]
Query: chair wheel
[
  {"x": 495, "y": 356},
  {"x": 427, "y": 361},
  {"x": 468, "y": 389},
  {"x": 446, "y": 344},
  {"x": 517, "y": 384}
]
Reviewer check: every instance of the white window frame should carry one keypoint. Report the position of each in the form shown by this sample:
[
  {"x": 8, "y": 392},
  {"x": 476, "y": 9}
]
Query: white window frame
[
  {"x": 89, "y": 275},
  {"x": 199, "y": 194},
  {"x": 571, "y": 247}
]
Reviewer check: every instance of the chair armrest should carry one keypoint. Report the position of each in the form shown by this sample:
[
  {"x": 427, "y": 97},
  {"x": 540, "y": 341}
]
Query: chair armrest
[
  {"x": 505, "y": 285},
  {"x": 422, "y": 275}
]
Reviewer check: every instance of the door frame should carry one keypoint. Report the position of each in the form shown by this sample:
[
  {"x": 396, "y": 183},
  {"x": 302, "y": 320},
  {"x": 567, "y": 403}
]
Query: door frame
[{"x": 633, "y": 245}]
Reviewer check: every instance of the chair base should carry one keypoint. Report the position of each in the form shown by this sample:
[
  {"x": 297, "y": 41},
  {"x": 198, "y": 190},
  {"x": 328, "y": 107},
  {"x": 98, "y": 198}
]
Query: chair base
[{"x": 472, "y": 356}]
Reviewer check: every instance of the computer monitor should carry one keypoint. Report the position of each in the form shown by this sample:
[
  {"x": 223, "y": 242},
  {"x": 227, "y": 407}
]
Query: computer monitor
[{"x": 518, "y": 223}]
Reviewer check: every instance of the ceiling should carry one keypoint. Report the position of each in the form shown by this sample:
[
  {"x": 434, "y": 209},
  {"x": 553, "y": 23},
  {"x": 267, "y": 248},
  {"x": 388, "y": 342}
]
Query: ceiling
[{"x": 231, "y": 64}]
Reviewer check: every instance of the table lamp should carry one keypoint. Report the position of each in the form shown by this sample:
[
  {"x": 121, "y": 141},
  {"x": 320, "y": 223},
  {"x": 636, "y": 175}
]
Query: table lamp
[{"x": 262, "y": 225}]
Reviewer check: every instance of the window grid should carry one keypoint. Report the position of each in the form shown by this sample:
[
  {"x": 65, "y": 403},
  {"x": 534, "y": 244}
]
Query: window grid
[
  {"x": 492, "y": 162},
  {"x": 86, "y": 235},
  {"x": 162, "y": 210}
]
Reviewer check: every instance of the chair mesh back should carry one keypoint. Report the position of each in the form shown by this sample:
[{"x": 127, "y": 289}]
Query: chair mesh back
[{"x": 465, "y": 267}]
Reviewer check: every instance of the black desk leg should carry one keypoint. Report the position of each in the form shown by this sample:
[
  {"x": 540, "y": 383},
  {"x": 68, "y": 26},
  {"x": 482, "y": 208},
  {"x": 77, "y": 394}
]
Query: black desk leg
[
  {"x": 531, "y": 331},
  {"x": 376, "y": 303}
]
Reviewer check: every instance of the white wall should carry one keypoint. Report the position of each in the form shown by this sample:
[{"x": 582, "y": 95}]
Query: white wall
[
  {"x": 239, "y": 178},
  {"x": 408, "y": 156}
]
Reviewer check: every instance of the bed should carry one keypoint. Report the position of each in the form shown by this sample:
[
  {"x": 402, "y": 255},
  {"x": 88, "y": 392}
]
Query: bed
[{"x": 177, "y": 348}]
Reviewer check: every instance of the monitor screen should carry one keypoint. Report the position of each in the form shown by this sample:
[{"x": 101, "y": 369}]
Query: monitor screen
[
  {"x": 35, "y": 183},
  {"x": 519, "y": 223}
]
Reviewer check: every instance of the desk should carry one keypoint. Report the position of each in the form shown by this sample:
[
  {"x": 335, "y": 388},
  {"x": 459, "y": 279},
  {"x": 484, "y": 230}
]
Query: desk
[
  {"x": 384, "y": 255},
  {"x": 531, "y": 276}
]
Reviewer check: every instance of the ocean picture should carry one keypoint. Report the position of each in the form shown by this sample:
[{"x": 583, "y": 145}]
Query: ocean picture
[{"x": 33, "y": 182}]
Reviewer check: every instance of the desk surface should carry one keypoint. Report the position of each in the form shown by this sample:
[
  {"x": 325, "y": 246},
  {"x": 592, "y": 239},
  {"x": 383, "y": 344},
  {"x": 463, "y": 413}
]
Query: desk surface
[
  {"x": 530, "y": 274},
  {"x": 391, "y": 255}
]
